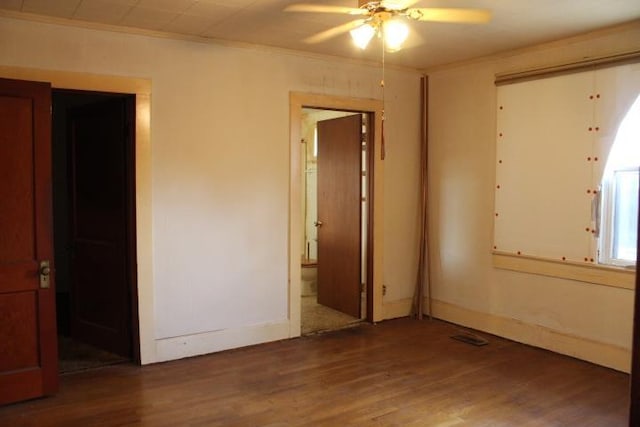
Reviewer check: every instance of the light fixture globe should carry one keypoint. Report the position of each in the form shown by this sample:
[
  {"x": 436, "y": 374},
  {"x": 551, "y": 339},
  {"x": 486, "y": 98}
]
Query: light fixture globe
[
  {"x": 362, "y": 35},
  {"x": 394, "y": 32}
]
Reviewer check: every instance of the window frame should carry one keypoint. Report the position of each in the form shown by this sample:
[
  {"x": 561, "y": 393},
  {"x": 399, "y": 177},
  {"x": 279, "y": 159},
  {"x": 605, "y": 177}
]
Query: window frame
[{"x": 606, "y": 229}]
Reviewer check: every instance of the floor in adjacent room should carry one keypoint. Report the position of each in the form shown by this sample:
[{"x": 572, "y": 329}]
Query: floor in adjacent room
[
  {"x": 400, "y": 372},
  {"x": 320, "y": 318},
  {"x": 76, "y": 356}
]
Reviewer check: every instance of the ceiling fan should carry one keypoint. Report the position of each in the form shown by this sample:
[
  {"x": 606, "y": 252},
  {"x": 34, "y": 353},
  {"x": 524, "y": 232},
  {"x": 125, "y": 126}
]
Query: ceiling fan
[{"x": 386, "y": 19}]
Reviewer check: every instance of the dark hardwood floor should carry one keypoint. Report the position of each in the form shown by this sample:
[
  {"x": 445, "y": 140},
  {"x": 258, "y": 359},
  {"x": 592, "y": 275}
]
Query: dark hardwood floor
[{"x": 397, "y": 373}]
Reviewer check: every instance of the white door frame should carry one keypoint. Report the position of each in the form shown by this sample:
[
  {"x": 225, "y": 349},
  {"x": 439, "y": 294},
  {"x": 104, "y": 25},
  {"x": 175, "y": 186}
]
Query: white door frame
[
  {"x": 297, "y": 101},
  {"x": 144, "y": 244}
]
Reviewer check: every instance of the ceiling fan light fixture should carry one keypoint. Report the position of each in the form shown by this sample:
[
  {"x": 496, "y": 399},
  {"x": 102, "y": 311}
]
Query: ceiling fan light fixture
[
  {"x": 395, "y": 32},
  {"x": 362, "y": 35}
]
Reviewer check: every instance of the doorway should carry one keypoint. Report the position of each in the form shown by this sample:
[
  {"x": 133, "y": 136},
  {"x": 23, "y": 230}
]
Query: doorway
[
  {"x": 144, "y": 349},
  {"x": 93, "y": 146},
  {"x": 375, "y": 179},
  {"x": 334, "y": 265}
]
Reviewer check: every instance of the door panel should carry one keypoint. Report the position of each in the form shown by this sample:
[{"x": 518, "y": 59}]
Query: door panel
[
  {"x": 23, "y": 306},
  {"x": 28, "y": 346},
  {"x": 339, "y": 204},
  {"x": 16, "y": 157},
  {"x": 99, "y": 137}
]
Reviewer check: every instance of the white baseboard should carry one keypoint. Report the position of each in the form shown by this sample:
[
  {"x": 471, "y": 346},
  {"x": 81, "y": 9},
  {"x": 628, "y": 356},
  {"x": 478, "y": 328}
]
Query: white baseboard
[
  {"x": 395, "y": 309},
  {"x": 609, "y": 355},
  {"x": 225, "y": 339}
]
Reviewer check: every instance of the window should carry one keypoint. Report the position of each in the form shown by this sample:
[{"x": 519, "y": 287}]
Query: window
[
  {"x": 567, "y": 161},
  {"x": 619, "y": 206}
]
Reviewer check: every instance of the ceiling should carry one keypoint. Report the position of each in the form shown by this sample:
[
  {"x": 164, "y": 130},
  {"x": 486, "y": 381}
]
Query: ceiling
[{"x": 515, "y": 24}]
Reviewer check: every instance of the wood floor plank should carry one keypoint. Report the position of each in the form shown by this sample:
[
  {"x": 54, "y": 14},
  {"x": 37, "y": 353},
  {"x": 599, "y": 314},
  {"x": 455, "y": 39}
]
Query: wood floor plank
[{"x": 396, "y": 373}]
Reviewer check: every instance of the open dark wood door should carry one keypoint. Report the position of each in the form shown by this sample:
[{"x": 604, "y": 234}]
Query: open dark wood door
[
  {"x": 339, "y": 217},
  {"x": 28, "y": 346},
  {"x": 100, "y": 141}
]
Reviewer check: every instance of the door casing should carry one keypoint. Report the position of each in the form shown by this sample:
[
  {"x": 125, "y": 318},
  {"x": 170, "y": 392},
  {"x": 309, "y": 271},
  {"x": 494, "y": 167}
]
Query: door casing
[
  {"x": 297, "y": 101},
  {"x": 143, "y": 215}
]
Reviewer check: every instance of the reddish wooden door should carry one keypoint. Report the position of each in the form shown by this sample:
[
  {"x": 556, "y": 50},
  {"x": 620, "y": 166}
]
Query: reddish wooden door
[
  {"x": 28, "y": 346},
  {"x": 100, "y": 135},
  {"x": 339, "y": 219}
]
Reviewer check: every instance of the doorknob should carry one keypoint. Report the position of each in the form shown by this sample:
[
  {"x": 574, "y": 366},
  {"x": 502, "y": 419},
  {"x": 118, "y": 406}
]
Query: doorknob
[
  {"x": 45, "y": 272},
  {"x": 317, "y": 223}
]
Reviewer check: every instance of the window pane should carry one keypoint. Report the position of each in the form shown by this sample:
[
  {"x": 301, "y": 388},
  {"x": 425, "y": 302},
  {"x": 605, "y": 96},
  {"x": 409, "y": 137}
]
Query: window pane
[{"x": 625, "y": 219}]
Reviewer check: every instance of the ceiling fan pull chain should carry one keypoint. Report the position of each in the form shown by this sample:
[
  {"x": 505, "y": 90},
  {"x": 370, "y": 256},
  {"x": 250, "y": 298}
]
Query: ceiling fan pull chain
[{"x": 382, "y": 142}]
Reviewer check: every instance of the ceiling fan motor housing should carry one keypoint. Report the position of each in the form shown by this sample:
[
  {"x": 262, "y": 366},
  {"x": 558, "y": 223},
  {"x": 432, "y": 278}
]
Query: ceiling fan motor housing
[
  {"x": 377, "y": 6},
  {"x": 370, "y": 5}
]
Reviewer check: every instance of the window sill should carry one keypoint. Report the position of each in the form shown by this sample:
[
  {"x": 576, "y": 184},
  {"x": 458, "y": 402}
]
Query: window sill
[{"x": 617, "y": 277}]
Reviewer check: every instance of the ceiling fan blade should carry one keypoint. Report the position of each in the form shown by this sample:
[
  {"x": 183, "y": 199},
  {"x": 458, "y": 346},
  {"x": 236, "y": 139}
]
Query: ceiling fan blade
[
  {"x": 335, "y": 31},
  {"x": 319, "y": 8},
  {"x": 469, "y": 16}
]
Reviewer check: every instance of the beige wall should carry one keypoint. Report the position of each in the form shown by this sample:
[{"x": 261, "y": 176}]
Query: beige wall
[
  {"x": 586, "y": 320},
  {"x": 219, "y": 223},
  {"x": 219, "y": 174}
]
